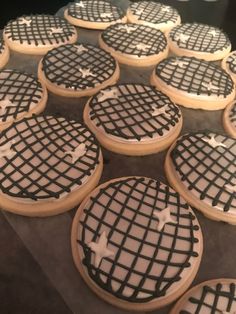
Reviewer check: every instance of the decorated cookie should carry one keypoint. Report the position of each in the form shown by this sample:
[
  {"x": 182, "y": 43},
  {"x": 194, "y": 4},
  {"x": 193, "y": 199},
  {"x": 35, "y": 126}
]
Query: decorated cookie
[
  {"x": 153, "y": 14},
  {"x": 94, "y": 14},
  {"x": 199, "y": 40},
  {"x": 48, "y": 165},
  {"x": 229, "y": 119},
  {"x": 229, "y": 65},
  {"x": 21, "y": 94},
  {"x": 4, "y": 54},
  {"x": 194, "y": 83},
  {"x": 214, "y": 296},
  {"x": 78, "y": 70},
  {"x": 133, "y": 119},
  {"x": 136, "y": 243},
  {"x": 36, "y": 34},
  {"x": 201, "y": 166},
  {"x": 134, "y": 44}
]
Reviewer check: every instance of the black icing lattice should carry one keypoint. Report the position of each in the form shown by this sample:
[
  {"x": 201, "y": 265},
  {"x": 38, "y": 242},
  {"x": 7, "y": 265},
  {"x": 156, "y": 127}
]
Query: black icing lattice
[
  {"x": 202, "y": 37},
  {"x": 38, "y": 32},
  {"x": 232, "y": 115},
  {"x": 64, "y": 65},
  {"x": 231, "y": 62},
  {"x": 153, "y": 12},
  {"x": 130, "y": 115},
  {"x": 95, "y": 11},
  {"x": 2, "y": 46},
  {"x": 214, "y": 299},
  {"x": 40, "y": 169},
  {"x": 130, "y": 204},
  {"x": 195, "y": 76},
  {"x": 207, "y": 171},
  {"x": 117, "y": 37},
  {"x": 23, "y": 90}
]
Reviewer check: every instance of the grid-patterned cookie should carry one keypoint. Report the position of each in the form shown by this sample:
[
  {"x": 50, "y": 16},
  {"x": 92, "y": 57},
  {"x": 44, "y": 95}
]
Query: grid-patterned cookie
[
  {"x": 136, "y": 242},
  {"x": 38, "y": 33},
  {"x": 229, "y": 119},
  {"x": 213, "y": 296},
  {"x": 98, "y": 14},
  {"x": 153, "y": 14},
  {"x": 44, "y": 159},
  {"x": 229, "y": 64},
  {"x": 133, "y": 114},
  {"x": 78, "y": 69},
  {"x": 4, "y": 53},
  {"x": 200, "y": 41},
  {"x": 204, "y": 172},
  {"x": 194, "y": 83}
]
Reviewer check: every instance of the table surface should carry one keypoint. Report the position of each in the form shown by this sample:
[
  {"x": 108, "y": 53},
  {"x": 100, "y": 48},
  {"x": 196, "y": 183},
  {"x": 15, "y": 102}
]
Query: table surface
[{"x": 48, "y": 239}]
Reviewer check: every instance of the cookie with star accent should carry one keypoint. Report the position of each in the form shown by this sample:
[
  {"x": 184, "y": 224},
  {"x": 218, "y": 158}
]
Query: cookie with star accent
[
  {"x": 133, "y": 119},
  {"x": 48, "y": 165},
  {"x": 78, "y": 70},
  {"x": 36, "y": 34},
  {"x": 4, "y": 53},
  {"x": 199, "y": 40},
  {"x": 201, "y": 166},
  {"x": 136, "y": 243},
  {"x": 229, "y": 119},
  {"x": 229, "y": 65},
  {"x": 212, "y": 296},
  {"x": 194, "y": 83},
  {"x": 150, "y": 13},
  {"x": 134, "y": 44},
  {"x": 94, "y": 14}
]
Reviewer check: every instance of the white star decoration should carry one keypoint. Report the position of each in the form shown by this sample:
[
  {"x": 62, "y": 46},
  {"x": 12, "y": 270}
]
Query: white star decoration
[
  {"x": 80, "y": 4},
  {"x": 163, "y": 217},
  {"x": 106, "y": 14},
  {"x": 78, "y": 152},
  {"x": 4, "y": 103},
  {"x": 86, "y": 72},
  {"x": 209, "y": 86},
  {"x": 159, "y": 111},
  {"x": 56, "y": 30},
  {"x": 212, "y": 142},
  {"x": 179, "y": 63},
  {"x": 182, "y": 38},
  {"x": 80, "y": 48},
  {"x": 108, "y": 94},
  {"x": 24, "y": 21},
  {"x": 6, "y": 151},
  {"x": 127, "y": 28},
  {"x": 165, "y": 9},
  {"x": 230, "y": 187},
  {"x": 139, "y": 11},
  {"x": 213, "y": 33},
  {"x": 142, "y": 47},
  {"x": 100, "y": 249}
]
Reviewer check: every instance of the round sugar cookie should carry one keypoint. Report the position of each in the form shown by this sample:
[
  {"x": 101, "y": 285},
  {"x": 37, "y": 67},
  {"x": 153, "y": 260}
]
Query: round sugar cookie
[
  {"x": 153, "y": 14},
  {"x": 133, "y": 119},
  {"x": 194, "y": 83},
  {"x": 229, "y": 65},
  {"x": 199, "y": 40},
  {"x": 78, "y": 70},
  {"x": 94, "y": 14},
  {"x": 21, "y": 95},
  {"x": 136, "y": 243},
  {"x": 213, "y": 296},
  {"x": 229, "y": 119},
  {"x": 36, "y": 34},
  {"x": 134, "y": 44},
  {"x": 201, "y": 166},
  {"x": 4, "y": 53},
  {"x": 48, "y": 165}
]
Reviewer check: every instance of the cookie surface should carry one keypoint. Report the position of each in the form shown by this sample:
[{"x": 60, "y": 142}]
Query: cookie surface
[
  {"x": 36, "y": 34},
  {"x": 21, "y": 94},
  {"x": 136, "y": 243},
  {"x": 199, "y": 40},
  {"x": 78, "y": 70},
  {"x": 47, "y": 165},
  {"x": 229, "y": 119},
  {"x": 94, "y": 14},
  {"x": 201, "y": 166},
  {"x": 4, "y": 53},
  {"x": 229, "y": 65},
  {"x": 133, "y": 119},
  {"x": 153, "y": 14},
  {"x": 134, "y": 44},
  {"x": 213, "y": 296},
  {"x": 194, "y": 83}
]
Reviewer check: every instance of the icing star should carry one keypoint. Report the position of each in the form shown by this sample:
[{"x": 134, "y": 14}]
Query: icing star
[
  {"x": 163, "y": 217},
  {"x": 139, "y": 11},
  {"x": 56, "y": 30},
  {"x": 78, "y": 152},
  {"x": 100, "y": 249},
  {"x": 108, "y": 94},
  {"x": 231, "y": 188},
  {"x": 212, "y": 142},
  {"x": 80, "y": 48},
  {"x": 6, "y": 151},
  {"x": 80, "y": 4},
  {"x": 24, "y": 21},
  {"x": 182, "y": 38},
  {"x": 213, "y": 33},
  {"x": 159, "y": 111},
  {"x": 106, "y": 14},
  {"x": 4, "y": 104},
  {"x": 127, "y": 28},
  {"x": 86, "y": 72},
  {"x": 179, "y": 63},
  {"x": 142, "y": 47},
  {"x": 209, "y": 86},
  {"x": 165, "y": 9}
]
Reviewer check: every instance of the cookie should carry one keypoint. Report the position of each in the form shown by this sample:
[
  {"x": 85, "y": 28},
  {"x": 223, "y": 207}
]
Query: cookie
[
  {"x": 199, "y": 40},
  {"x": 136, "y": 243},
  {"x": 133, "y": 119},
  {"x": 229, "y": 65},
  {"x": 194, "y": 83},
  {"x": 94, "y": 14},
  {"x": 4, "y": 54},
  {"x": 153, "y": 14},
  {"x": 213, "y": 296},
  {"x": 201, "y": 166},
  {"x": 36, "y": 34},
  {"x": 134, "y": 44},
  {"x": 48, "y": 165},
  {"x": 229, "y": 119},
  {"x": 78, "y": 70}
]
